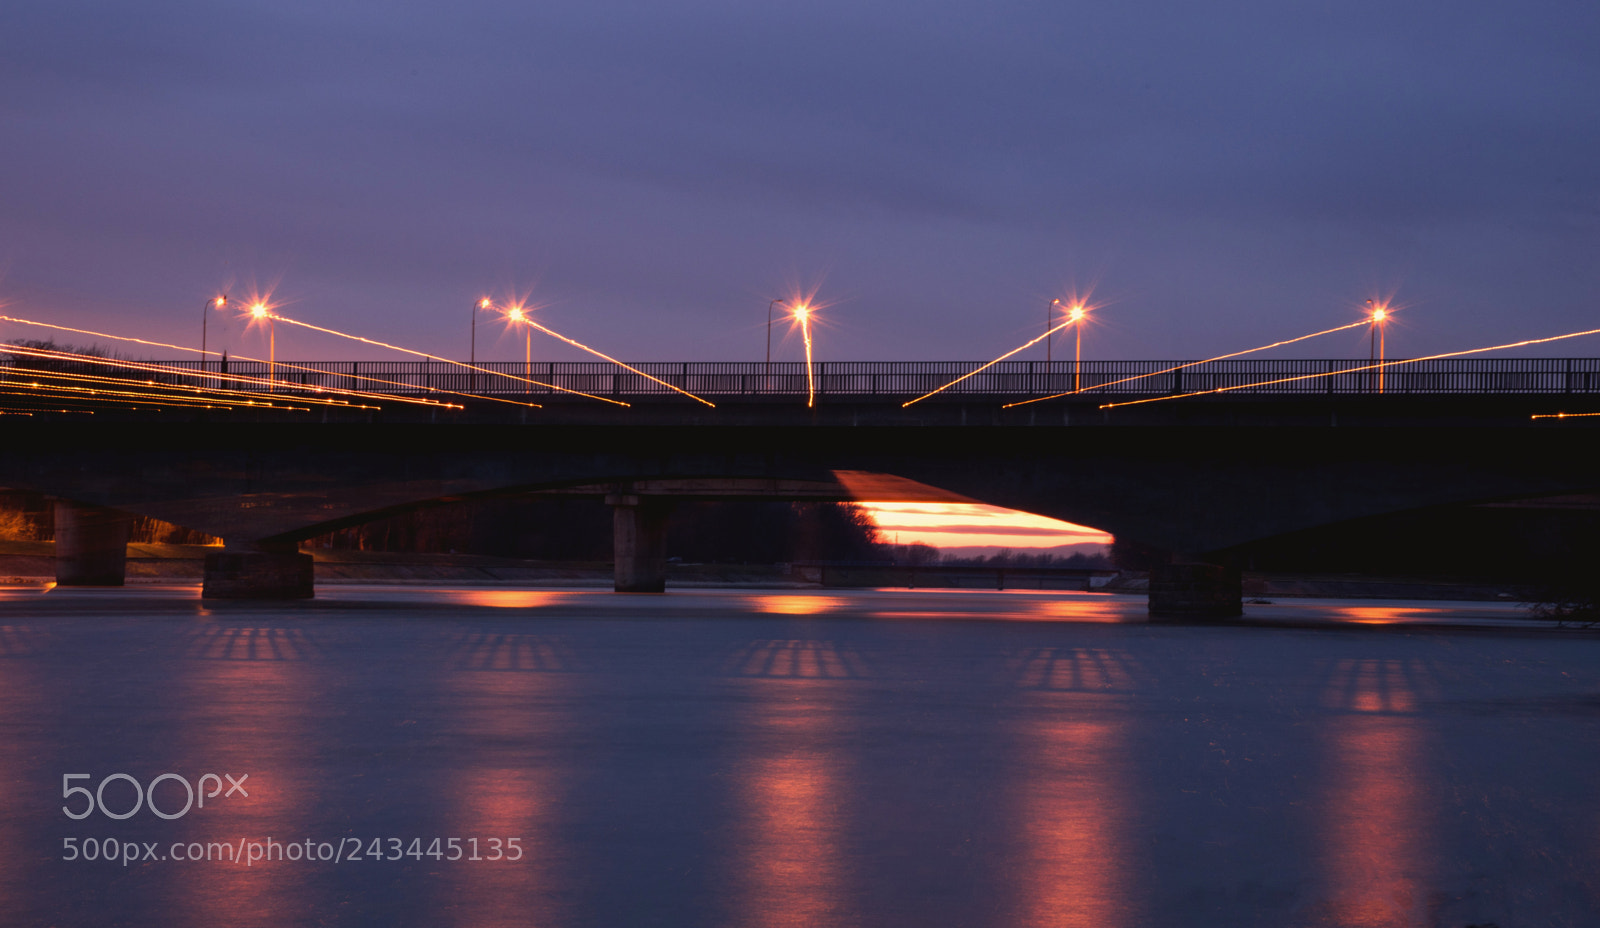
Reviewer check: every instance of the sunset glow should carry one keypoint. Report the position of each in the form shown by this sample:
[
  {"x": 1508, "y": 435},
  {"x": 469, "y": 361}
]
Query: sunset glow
[{"x": 952, "y": 525}]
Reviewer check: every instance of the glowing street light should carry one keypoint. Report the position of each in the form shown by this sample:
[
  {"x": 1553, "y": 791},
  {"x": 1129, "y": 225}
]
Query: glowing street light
[
  {"x": 517, "y": 314},
  {"x": 1077, "y": 315},
  {"x": 802, "y": 315},
  {"x": 1376, "y": 348},
  {"x": 260, "y": 310},
  {"x": 220, "y": 302}
]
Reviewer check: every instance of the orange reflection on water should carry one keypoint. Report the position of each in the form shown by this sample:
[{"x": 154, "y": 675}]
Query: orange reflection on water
[
  {"x": 506, "y": 599},
  {"x": 1383, "y": 615},
  {"x": 1376, "y": 685},
  {"x": 792, "y": 822},
  {"x": 20, "y": 686},
  {"x": 796, "y": 605},
  {"x": 509, "y": 790},
  {"x": 1077, "y": 669},
  {"x": 1073, "y": 826},
  {"x": 801, "y": 657},
  {"x": 251, "y": 695},
  {"x": 1374, "y": 824}
]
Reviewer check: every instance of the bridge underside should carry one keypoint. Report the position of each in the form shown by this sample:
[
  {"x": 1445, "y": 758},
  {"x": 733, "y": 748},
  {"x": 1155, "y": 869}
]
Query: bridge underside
[{"x": 1199, "y": 481}]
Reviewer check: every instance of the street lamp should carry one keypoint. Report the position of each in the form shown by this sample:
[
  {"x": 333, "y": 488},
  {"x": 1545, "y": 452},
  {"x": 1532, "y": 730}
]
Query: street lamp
[
  {"x": 205, "y": 315},
  {"x": 1049, "y": 323},
  {"x": 259, "y": 310},
  {"x": 472, "y": 358},
  {"x": 769, "y": 332},
  {"x": 517, "y": 314},
  {"x": 1077, "y": 314},
  {"x": 1376, "y": 349}
]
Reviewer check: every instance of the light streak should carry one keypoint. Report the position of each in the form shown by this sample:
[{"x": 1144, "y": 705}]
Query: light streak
[
  {"x": 177, "y": 392},
  {"x": 1357, "y": 370},
  {"x": 86, "y": 395},
  {"x": 973, "y": 373},
  {"x": 1564, "y": 415},
  {"x": 163, "y": 369},
  {"x": 1220, "y": 357},
  {"x": 802, "y": 313},
  {"x": 528, "y": 319},
  {"x": 470, "y": 367},
  {"x": 297, "y": 367}
]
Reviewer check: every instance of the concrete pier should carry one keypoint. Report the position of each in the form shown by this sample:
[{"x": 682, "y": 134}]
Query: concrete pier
[
  {"x": 91, "y": 544},
  {"x": 639, "y": 542}
]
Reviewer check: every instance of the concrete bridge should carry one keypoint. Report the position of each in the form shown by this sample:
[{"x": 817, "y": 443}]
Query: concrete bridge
[{"x": 1199, "y": 477}]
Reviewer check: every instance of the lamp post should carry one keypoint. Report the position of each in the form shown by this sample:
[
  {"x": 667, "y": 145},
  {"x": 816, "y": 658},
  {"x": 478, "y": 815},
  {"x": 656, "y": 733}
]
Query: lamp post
[
  {"x": 205, "y": 316},
  {"x": 1376, "y": 349},
  {"x": 472, "y": 351},
  {"x": 1078, "y": 312},
  {"x": 1049, "y": 322},
  {"x": 768, "y": 370}
]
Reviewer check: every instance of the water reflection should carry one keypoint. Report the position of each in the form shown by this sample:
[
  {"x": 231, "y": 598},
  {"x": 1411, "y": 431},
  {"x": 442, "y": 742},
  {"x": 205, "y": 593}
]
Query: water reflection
[
  {"x": 1086, "y": 669},
  {"x": 252, "y": 696},
  {"x": 21, "y": 640},
  {"x": 1375, "y": 827},
  {"x": 506, "y": 599},
  {"x": 793, "y": 821},
  {"x": 21, "y": 684},
  {"x": 500, "y": 651},
  {"x": 1073, "y": 819},
  {"x": 1377, "y": 685},
  {"x": 796, "y": 605},
  {"x": 804, "y": 658},
  {"x": 1385, "y": 615},
  {"x": 1026, "y": 606},
  {"x": 511, "y": 787},
  {"x": 236, "y": 643}
]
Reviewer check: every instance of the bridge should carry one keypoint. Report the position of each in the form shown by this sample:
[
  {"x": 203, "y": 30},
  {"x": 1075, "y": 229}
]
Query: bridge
[{"x": 1287, "y": 446}]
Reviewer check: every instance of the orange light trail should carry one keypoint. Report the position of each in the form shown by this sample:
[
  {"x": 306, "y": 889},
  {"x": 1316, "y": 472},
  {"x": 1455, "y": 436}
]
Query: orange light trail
[
  {"x": 177, "y": 394},
  {"x": 803, "y": 314},
  {"x": 137, "y": 389},
  {"x": 470, "y": 367},
  {"x": 527, "y": 318},
  {"x": 1357, "y": 370},
  {"x": 973, "y": 373},
  {"x": 243, "y": 379},
  {"x": 162, "y": 369},
  {"x": 88, "y": 394},
  {"x": 1220, "y": 357},
  {"x": 1564, "y": 415}
]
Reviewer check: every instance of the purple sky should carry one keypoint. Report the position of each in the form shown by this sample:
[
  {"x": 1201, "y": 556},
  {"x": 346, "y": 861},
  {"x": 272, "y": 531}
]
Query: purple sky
[{"x": 1221, "y": 174}]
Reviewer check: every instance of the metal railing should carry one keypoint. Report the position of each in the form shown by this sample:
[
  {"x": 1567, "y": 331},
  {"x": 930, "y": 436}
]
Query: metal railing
[{"x": 905, "y": 379}]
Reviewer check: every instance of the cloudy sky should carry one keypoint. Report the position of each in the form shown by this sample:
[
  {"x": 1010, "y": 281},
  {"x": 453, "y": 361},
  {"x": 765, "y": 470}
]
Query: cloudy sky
[{"x": 1219, "y": 174}]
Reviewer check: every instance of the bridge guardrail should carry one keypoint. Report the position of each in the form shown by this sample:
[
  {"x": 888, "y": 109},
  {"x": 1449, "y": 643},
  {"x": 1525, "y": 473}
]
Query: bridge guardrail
[{"x": 891, "y": 379}]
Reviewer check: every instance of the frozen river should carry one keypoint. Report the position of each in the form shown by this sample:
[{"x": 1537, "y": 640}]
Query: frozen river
[{"x": 791, "y": 759}]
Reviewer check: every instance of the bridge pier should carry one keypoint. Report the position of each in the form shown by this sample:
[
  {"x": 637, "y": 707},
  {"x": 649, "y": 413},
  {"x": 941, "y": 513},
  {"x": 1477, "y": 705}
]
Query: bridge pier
[
  {"x": 91, "y": 545},
  {"x": 639, "y": 542},
  {"x": 1191, "y": 591},
  {"x": 263, "y": 570}
]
